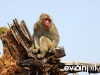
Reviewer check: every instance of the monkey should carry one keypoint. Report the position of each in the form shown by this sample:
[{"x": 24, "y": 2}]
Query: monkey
[{"x": 45, "y": 36}]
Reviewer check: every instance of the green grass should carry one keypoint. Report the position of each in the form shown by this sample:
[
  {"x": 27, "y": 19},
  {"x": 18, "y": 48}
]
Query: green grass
[{"x": 3, "y": 30}]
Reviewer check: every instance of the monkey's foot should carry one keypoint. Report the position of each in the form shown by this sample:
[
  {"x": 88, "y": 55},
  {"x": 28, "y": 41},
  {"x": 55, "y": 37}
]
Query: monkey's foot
[
  {"x": 40, "y": 56},
  {"x": 52, "y": 51},
  {"x": 35, "y": 50},
  {"x": 31, "y": 54}
]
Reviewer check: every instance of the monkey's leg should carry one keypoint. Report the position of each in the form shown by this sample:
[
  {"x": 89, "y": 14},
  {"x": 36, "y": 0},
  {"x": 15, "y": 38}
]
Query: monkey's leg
[
  {"x": 36, "y": 44},
  {"x": 45, "y": 44}
]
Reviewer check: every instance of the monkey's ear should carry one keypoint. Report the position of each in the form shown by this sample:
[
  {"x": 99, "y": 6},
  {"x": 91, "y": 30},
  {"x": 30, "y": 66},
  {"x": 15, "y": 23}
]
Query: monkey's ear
[
  {"x": 41, "y": 17},
  {"x": 42, "y": 14},
  {"x": 50, "y": 18}
]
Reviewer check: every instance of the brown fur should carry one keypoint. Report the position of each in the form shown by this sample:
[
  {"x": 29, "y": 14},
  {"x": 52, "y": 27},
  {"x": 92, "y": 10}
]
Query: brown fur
[{"x": 45, "y": 38}]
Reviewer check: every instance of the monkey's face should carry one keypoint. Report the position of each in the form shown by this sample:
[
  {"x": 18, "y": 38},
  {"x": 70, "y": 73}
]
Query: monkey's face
[{"x": 46, "y": 20}]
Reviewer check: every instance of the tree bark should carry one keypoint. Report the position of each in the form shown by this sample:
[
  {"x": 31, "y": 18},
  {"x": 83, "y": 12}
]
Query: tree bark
[
  {"x": 16, "y": 60},
  {"x": 13, "y": 50}
]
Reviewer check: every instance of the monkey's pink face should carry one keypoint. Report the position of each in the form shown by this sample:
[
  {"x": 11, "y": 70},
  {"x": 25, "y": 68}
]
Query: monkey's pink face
[{"x": 46, "y": 22}]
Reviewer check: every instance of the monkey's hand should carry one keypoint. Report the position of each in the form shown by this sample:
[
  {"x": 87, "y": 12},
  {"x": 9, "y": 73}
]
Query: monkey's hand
[
  {"x": 36, "y": 50},
  {"x": 30, "y": 52},
  {"x": 52, "y": 49}
]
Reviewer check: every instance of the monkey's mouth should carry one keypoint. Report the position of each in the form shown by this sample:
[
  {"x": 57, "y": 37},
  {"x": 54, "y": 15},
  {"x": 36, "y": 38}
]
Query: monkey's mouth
[{"x": 47, "y": 25}]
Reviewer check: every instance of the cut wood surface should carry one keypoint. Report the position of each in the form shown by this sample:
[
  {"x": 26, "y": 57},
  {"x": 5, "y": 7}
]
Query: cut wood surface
[{"x": 80, "y": 63}]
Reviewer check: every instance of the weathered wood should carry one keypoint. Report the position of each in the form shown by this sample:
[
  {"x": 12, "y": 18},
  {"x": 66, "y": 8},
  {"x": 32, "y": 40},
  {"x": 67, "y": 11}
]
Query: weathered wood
[
  {"x": 29, "y": 63},
  {"x": 16, "y": 42},
  {"x": 13, "y": 50},
  {"x": 80, "y": 63},
  {"x": 59, "y": 52}
]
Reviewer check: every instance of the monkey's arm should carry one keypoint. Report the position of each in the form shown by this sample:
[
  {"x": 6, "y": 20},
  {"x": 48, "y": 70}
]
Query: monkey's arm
[
  {"x": 36, "y": 36},
  {"x": 55, "y": 39},
  {"x": 36, "y": 41}
]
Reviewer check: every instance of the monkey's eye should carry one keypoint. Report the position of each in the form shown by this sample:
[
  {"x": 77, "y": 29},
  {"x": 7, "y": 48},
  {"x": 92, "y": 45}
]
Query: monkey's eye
[{"x": 47, "y": 19}]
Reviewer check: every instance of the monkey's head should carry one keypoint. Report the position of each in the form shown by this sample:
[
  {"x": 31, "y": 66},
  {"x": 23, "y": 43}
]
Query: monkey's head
[{"x": 45, "y": 20}]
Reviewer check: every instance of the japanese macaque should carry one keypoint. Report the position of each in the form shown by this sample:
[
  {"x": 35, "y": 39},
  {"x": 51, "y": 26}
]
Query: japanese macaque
[{"x": 45, "y": 37}]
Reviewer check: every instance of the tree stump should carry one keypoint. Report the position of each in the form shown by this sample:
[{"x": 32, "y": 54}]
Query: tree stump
[
  {"x": 16, "y": 61},
  {"x": 13, "y": 49}
]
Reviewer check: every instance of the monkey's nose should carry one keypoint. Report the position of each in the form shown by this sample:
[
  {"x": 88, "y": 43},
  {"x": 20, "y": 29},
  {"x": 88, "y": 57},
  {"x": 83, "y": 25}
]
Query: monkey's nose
[{"x": 47, "y": 21}]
